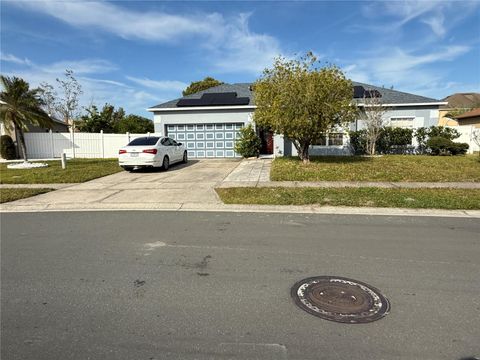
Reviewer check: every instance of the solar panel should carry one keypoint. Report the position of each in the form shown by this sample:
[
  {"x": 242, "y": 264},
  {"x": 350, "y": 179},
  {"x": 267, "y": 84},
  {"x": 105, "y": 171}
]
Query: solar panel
[
  {"x": 215, "y": 99},
  {"x": 358, "y": 92},
  {"x": 372, "y": 93}
]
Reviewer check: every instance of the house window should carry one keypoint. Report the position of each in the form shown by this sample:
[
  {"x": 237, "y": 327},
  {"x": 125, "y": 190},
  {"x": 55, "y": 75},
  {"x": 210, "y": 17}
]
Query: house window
[
  {"x": 321, "y": 142},
  {"x": 335, "y": 139},
  {"x": 402, "y": 122}
]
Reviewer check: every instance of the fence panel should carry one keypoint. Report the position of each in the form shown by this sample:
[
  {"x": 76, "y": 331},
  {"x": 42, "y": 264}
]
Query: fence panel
[
  {"x": 466, "y": 136},
  {"x": 87, "y": 145}
]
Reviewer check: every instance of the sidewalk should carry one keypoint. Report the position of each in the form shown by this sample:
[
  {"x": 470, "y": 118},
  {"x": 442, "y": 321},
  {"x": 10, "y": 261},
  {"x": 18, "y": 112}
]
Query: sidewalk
[{"x": 256, "y": 173}]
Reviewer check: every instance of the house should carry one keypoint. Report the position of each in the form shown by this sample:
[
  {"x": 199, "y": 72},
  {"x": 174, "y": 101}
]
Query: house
[
  {"x": 471, "y": 117},
  {"x": 457, "y": 102},
  {"x": 208, "y": 122}
]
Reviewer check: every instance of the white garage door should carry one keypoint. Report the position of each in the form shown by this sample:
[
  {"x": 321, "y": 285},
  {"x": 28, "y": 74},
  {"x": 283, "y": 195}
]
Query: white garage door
[{"x": 206, "y": 140}]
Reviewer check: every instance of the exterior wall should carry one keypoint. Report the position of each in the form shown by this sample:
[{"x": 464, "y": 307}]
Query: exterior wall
[
  {"x": 160, "y": 119},
  {"x": 445, "y": 121}
]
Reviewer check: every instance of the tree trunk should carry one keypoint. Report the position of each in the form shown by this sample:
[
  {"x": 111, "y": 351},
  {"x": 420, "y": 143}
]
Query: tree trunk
[
  {"x": 22, "y": 143},
  {"x": 303, "y": 153}
]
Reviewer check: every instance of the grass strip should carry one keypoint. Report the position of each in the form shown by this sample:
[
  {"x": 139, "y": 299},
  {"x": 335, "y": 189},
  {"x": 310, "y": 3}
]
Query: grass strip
[
  {"x": 358, "y": 197},
  {"x": 77, "y": 171},
  {"x": 7, "y": 195},
  {"x": 409, "y": 168}
]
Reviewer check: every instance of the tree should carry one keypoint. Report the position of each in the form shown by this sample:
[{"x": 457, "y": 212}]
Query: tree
[
  {"x": 21, "y": 106},
  {"x": 106, "y": 120},
  {"x": 67, "y": 104},
  {"x": 135, "y": 124},
  {"x": 204, "y": 84},
  {"x": 373, "y": 116},
  {"x": 298, "y": 99},
  {"x": 249, "y": 144}
]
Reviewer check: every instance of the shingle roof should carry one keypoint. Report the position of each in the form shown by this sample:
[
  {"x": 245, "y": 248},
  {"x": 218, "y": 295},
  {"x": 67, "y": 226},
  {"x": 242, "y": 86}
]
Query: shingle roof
[
  {"x": 469, "y": 114},
  {"x": 389, "y": 96}
]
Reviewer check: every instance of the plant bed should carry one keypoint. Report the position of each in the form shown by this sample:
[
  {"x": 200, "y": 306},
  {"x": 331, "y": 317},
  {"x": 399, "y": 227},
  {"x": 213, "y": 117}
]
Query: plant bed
[
  {"x": 7, "y": 195},
  {"x": 77, "y": 171},
  {"x": 358, "y": 197},
  {"x": 410, "y": 168}
]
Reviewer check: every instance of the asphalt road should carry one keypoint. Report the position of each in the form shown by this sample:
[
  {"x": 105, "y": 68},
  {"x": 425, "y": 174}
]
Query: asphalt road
[{"x": 169, "y": 285}]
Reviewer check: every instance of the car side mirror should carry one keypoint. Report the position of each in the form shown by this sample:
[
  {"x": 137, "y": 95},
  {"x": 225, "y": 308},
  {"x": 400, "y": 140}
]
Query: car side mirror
[{"x": 179, "y": 144}]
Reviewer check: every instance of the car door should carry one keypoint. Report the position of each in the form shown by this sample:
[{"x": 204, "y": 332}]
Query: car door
[
  {"x": 178, "y": 150},
  {"x": 166, "y": 149}
]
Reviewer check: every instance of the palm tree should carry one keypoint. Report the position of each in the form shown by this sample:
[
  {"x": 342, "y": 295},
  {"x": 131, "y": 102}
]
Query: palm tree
[{"x": 20, "y": 106}]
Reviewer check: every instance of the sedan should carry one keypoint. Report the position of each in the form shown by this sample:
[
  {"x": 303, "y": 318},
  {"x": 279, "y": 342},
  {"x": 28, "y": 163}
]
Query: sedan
[{"x": 151, "y": 151}]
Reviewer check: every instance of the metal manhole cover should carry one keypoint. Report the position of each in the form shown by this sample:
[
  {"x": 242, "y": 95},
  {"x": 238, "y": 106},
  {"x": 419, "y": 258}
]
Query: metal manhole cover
[{"x": 340, "y": 299}]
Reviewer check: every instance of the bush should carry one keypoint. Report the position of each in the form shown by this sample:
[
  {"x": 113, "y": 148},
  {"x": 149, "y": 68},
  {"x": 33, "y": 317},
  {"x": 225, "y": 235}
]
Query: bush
[
  {"x": 7, "y": 147},
  {"x": 423, "y": 134},
  {"x": 458, "y": 148},
  {"x": 358, "y": 142},
  {"x": 391, "y": 141},
  {"x": 439, "y": 145},
  {"x": 249, "y": 144}
]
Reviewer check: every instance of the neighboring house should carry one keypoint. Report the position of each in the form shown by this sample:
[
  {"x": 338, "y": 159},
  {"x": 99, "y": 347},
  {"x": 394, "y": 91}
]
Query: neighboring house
[
  {"x": 457, "y": 102},
  {"x": 471, "y": 117},
  {"x": 208, "y": 121}
]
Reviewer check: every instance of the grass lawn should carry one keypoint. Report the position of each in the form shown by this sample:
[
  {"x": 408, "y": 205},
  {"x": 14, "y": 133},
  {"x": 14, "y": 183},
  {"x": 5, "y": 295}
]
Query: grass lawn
[
  {"x": 77, "y": 171},
  {"x": 371, "y": 197},
  {"x": 7, "y": 195},
  {"x": 384, "y": 168}
]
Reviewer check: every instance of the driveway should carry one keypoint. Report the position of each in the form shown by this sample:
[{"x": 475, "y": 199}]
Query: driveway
[{"x": 191, "y": 183}]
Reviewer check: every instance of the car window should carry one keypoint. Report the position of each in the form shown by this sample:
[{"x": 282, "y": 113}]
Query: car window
[
  {"x": 142, "y": 141},
  {"x": 166, "y": 142},
  {"x": 174, "y": 142}
]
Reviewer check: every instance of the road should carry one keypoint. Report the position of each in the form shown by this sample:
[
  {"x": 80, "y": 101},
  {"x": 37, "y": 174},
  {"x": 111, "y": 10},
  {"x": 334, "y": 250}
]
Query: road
[{"x": 202, "y": 285}]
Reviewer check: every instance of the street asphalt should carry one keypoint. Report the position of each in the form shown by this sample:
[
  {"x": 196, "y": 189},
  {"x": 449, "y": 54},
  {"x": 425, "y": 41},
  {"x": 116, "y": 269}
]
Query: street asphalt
[{"x": 206, "y": 285}]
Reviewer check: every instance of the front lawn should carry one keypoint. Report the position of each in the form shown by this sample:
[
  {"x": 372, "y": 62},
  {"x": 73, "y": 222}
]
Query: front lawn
[
  {"x": 383, "y": 168},
  {"x": 77, "y": 171},
  {"x": 7, "y": 195},
  {"x": 370, "y": 197}
]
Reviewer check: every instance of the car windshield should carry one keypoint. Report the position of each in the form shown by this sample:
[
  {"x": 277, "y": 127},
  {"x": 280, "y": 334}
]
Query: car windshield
[{"x": 151, "y": 140}]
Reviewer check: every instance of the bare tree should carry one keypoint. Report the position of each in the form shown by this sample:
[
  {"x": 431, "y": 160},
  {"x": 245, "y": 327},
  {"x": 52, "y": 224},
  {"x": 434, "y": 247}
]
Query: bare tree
[
  {"x": 374, "y": 118},
  {"x": 476, "y": 138},
  {"x": 67, "y": 103},
  {"x": 49, "y": 97}
]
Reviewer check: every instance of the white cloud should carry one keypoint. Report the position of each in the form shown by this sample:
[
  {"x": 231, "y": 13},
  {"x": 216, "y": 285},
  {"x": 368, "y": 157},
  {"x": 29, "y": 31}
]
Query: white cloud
[
  {"x": 160, "y": 85},
  {"x": 227, "y": 43},
  {"x": 405, "y": 70},
  {"x": 13, "y": 59}
]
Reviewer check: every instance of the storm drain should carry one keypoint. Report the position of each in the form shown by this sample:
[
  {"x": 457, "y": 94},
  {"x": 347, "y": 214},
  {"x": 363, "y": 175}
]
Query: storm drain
[{"x": 340, "y": 299}]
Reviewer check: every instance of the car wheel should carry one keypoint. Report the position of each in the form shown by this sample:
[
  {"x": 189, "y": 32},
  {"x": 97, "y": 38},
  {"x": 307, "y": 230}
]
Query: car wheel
[
  {"x": 185, "y": 157},
  {"x": 165, "y": 163}
]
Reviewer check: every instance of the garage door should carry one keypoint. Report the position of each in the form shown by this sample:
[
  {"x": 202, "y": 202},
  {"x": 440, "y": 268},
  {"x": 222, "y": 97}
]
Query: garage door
[{"x": 206, "y": 140}]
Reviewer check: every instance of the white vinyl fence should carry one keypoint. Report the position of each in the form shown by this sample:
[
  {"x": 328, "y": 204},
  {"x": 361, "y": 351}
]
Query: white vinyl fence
[
  {"x": 82, "y": 145},
  {"x": 466, "y": 136}
]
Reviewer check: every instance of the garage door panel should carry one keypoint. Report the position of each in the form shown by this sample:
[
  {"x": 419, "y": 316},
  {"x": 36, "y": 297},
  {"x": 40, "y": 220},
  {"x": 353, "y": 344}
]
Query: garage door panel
[{"x": 206, "y": 140}]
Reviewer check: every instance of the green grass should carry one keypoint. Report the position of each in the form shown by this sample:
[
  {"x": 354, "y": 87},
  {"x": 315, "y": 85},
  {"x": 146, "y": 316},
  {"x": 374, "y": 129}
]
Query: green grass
[
  {"x": 7, "y": 195},
  {"x": 77, "y": 171},
  {"x": 371, "y": 197},
  {"x": 384, "y": 168}
]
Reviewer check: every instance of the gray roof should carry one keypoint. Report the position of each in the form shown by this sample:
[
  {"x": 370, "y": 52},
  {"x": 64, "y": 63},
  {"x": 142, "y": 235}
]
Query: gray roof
[{"x": 389, "y": 96}]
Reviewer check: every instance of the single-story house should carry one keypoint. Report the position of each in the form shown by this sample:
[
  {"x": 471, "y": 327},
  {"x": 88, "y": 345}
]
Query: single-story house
[
  {"x": 471, "y": 117},
  {"x": 455, "y": 102},
  {"x": 208, "y": 122}
]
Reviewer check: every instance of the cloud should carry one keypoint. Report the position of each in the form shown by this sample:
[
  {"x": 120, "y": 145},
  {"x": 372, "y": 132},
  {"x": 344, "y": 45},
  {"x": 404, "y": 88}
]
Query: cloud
[
  {"x": 97, "y": 89},
  {"x": 405, "y": 70},
  {"x": 13, "y": 59},
  {"x": 227, "y": 43},
  {"x": 160, "y": 85}
]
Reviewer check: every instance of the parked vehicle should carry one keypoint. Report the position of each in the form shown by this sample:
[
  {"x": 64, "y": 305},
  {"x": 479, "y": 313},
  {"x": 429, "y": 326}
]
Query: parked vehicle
[{"x": 151, "y": 151}]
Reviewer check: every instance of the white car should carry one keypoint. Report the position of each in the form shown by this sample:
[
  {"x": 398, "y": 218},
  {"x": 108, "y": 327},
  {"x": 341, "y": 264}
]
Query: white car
[{"x": 151, "y": 151}]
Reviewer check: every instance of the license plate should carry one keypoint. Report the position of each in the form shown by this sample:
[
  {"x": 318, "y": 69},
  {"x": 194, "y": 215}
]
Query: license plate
[{"x": 134, "y": 155}]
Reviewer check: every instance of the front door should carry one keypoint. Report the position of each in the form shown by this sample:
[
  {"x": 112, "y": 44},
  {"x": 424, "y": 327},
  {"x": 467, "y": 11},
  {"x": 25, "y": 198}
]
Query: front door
[{"x": 267, "y": 141}]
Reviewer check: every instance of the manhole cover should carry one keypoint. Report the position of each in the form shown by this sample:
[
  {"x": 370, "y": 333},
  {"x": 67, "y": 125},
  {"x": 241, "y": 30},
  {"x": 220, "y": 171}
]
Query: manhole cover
[{"x": 340, "y": 299}]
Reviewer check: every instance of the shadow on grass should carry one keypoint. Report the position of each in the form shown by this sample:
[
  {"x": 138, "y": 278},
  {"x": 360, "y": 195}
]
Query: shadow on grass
[{"x": 333, "y": 159}]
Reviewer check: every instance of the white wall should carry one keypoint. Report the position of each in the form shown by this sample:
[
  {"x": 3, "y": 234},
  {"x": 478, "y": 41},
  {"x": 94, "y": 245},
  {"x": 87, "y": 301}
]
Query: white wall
[
  {"x": 466, "y": 136},
  {"x": 84, "y": 145}
]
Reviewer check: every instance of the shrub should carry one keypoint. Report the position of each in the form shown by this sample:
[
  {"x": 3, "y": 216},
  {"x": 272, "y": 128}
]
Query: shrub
[
  {"x": 423, "y": 134},
  {"x": 7, "y": 147},
  {"x": 438, "y": 145},
  {"x": 391, "y": 141},
  {"x": 358, "y": 142},
  {"x": 458, "y": 148},
  {"x": 249, "y": 144}
]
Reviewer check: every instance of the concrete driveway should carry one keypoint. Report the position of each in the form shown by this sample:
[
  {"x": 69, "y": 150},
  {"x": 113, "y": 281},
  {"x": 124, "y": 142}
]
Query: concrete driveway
[{"x": 192, "y": 183}]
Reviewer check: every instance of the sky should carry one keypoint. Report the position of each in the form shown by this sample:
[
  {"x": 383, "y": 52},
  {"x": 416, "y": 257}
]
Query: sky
[{"x": 136, "y": 54}]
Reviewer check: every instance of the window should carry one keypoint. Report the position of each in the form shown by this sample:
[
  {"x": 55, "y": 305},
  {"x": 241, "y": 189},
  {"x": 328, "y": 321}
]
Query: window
[
  {"x": 335, "y": 139},
  {"x": 151, "y": 140},
  {"x": 404, "y": 122},
  {"x": 322, "y": 141}
]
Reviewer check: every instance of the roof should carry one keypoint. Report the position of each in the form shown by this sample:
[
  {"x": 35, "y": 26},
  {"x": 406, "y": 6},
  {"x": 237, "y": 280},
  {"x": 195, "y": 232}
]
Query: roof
[
  {"x": 389, "y": 96},
  {"x": 463, "y": 100},
  {"x": 469, "y": 114}
]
